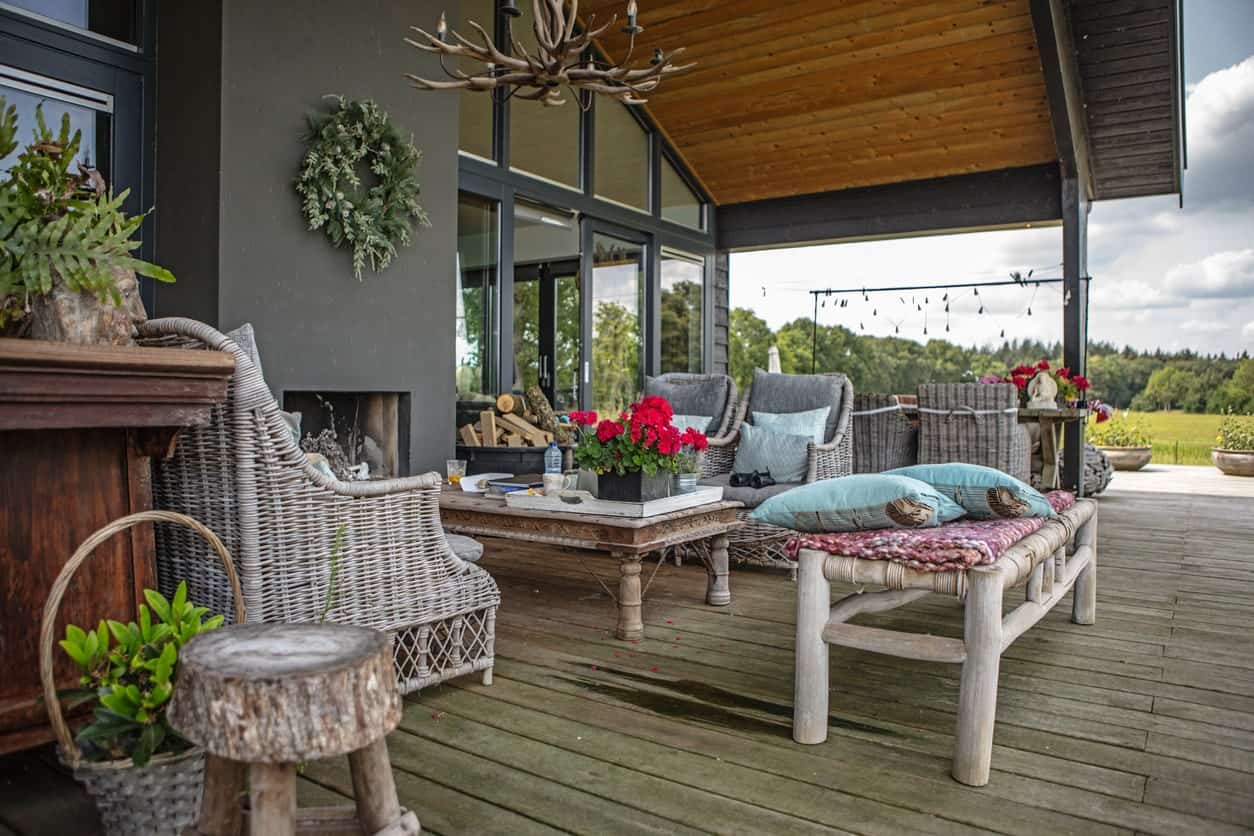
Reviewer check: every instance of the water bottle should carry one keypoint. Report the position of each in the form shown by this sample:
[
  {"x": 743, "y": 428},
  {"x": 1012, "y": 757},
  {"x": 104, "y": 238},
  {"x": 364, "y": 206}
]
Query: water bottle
[{"x": 553, "y": 459}]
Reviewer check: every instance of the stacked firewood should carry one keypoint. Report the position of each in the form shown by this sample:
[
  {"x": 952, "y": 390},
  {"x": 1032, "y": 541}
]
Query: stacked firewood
[{"x": 517, "y": 421}]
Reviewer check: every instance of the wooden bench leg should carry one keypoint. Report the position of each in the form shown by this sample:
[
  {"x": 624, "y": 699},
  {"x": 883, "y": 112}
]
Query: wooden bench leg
[
  {"x": 1084, "y": 594},
  {"x": 814, "y": 598},
  {"x": 977, "y": 699}
]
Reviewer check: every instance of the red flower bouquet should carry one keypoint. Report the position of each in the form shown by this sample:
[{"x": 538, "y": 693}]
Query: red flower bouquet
[
  {"x": 640, "y": 440},
  {"x": 1071, "y": 387}
]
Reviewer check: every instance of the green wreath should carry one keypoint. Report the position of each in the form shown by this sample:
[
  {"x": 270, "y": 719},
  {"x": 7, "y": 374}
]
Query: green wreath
[{"x": 357, "y": 134}]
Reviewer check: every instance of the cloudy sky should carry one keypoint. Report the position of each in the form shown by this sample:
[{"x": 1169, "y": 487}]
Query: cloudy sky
[{"x": 1163, "y": 277}]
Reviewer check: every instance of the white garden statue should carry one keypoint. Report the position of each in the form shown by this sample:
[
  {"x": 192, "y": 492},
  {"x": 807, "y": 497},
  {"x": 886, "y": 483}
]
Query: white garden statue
[{"x": 1042, "y": 391}]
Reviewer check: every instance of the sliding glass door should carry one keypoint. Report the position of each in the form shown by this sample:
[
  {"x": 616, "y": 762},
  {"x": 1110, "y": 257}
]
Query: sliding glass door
[
  {"x": 617, "y": 317},
  {"x": 547, "y": 302}
]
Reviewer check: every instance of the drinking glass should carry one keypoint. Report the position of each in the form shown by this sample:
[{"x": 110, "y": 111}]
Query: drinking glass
[{"x": 456, "y": 469}]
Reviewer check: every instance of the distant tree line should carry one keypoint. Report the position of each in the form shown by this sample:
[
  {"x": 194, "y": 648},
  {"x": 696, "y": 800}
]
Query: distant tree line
[{"x": 1125, "y": 378}]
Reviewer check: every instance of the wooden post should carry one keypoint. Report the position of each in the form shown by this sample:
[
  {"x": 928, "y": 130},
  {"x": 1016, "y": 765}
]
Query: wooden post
[
  {"x": 1084, "y": 595},
  {"x": 718, "y": 587},
  {"x": 630, "y": 603},
  {"x": 977, "y": 697},
  {"x": 272, "y": 799},
  {"x": 1075, "y": 315},
  {"x": 814, "y": 597}
]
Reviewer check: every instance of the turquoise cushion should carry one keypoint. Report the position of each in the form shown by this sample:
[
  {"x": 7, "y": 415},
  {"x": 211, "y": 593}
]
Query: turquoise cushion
[
  {"x": 854, "y": 503},
  {"x": 986, "y": 492},
  {"x": 785, "y": 457},
  {"x": 812, "y": 423},
  {"x": 696, "y": 422}
]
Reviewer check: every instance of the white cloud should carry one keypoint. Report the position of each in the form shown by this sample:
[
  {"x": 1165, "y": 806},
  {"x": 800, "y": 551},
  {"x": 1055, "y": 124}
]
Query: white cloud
[
  {"x": 1248, "y": 330},
  {"x": 1221, "y": 104},
  {"x": 1222, "y": 275}
]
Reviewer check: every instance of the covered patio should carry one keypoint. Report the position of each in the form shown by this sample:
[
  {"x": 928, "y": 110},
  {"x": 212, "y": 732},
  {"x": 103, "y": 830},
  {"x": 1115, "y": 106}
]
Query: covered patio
[
  {"x": 1143, "y": 723},
  {"x": 874, "y": 119}
]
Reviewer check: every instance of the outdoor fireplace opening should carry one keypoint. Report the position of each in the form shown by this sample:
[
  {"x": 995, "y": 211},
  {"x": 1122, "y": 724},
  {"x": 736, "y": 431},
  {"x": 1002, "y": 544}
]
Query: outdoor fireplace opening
[{"x": 363, "y": 435}]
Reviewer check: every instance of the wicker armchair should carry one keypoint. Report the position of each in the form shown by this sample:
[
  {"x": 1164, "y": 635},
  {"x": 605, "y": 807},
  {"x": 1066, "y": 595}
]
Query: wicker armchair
[
  {"x": 976, "y": 423},
  {"x": 309, "y": 547},
  {"x": 758, "y": 543},
  {"x": 886, "y": 435},
  {"x": 698, "y": 394}
]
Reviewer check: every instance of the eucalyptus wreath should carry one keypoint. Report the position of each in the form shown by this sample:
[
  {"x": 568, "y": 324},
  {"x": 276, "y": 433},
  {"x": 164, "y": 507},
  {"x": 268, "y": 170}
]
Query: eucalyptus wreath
[{"x": 355, "y": 135}]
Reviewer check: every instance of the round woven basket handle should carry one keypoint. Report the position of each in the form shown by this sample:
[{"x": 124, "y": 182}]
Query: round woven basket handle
[{"x": 46, "y": 638}]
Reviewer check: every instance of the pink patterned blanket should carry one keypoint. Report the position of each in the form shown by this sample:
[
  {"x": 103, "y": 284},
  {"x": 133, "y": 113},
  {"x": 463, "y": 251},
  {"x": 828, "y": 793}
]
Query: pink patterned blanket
[{"x": 956, "y": 545}]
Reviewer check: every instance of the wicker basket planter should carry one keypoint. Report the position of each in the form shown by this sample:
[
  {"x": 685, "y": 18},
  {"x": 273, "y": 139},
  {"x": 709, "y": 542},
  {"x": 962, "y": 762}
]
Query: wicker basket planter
[
  {"x": 1128, "y": 458},
  {"x": 162, "y": 797},
  {"x": 1233, "y": 462}
]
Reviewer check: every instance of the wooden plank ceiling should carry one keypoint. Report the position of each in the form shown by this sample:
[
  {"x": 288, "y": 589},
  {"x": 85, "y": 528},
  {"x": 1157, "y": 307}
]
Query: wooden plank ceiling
[
  {"x": 814, "y": 96},
  {"x": 1125, "y": 50}
]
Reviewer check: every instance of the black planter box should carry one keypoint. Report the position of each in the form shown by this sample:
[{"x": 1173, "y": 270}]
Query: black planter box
[
  {"x": 634, "y": 487},
  {"x": 514, "y": 460}
]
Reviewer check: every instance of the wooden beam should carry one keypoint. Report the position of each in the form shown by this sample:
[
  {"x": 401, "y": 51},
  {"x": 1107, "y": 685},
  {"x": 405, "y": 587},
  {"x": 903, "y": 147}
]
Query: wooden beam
[
  {"x": 1063, "y": 88},
  {"x": 1012, "y": 197}
]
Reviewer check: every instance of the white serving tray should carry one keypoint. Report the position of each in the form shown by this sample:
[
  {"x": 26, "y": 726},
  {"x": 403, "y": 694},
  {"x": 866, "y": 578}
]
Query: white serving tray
[{"x": 583, "y": 502}]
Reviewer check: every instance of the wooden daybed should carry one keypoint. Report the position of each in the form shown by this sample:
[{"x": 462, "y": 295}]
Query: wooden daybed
[{"x": 1060, "y": 553}]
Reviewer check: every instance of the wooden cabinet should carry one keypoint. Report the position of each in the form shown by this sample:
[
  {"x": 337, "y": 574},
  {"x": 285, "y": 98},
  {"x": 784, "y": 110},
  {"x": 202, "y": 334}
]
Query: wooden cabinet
[{"x": 78, "y": 425}]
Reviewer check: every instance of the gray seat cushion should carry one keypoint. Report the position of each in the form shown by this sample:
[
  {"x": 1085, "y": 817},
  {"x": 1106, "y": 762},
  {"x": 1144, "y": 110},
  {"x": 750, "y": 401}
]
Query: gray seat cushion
[
  {"x": 467, "y": 549},
  {"x": 693, "y": 394},
  {"x": 783, "y": 393},
  {"x": 750, "y": 497}
]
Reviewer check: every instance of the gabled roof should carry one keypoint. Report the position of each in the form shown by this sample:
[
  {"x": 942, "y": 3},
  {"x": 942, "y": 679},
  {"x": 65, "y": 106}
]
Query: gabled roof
[{"x": 815, "y": 96}]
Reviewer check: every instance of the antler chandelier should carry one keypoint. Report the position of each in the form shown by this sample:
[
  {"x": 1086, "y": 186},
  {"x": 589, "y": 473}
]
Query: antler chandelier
[{"x": 562, "y": 58}]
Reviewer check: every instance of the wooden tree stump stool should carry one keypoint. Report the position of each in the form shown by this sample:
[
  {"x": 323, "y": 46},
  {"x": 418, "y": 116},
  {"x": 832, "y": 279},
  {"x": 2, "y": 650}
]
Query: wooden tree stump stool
[{"x": 261, "y": 698}]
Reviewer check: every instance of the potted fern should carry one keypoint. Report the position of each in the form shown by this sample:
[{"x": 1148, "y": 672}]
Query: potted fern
[
  {"x": 1234, "y": 453},
  {"x": 67, "y": 263}
]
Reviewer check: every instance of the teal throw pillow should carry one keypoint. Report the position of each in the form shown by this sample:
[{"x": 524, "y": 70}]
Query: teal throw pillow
[
  {"x": 785, "y": 457},
  {"x": 986, "y": 492},
  {"x": 812, "y": 423},
  {"x": 855, "y": 503},
  {"x": 696, "y": 422}
]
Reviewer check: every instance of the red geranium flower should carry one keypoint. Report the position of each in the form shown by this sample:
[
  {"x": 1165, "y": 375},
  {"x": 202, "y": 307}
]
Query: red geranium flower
[
  {"x": 1081, "y": 382},
  {"x": 607, "y": 430},
  {"x": 1043, "y": 365},
  {"x": 694, "y": 438},
  {"x": 1064, "y": 372},
  {"x": 1019, "y": 381},
  {"x": 584, "y": 419}
]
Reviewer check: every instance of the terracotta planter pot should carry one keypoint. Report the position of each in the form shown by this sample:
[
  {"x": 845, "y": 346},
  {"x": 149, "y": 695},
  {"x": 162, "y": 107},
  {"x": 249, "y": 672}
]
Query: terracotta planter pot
[
  {"x": 1234, "y": 462},
  {"x": 1128, "y": 458}
]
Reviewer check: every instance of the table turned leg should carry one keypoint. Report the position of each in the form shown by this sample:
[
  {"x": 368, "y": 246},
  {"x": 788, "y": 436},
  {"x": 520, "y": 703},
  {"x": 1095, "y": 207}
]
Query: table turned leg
[
  {"x": 272, "y": 799},
  {"x": 718, "y": 585},
  {"x": 1049, "y": 455},
  {"x": 630, "y": 618}
]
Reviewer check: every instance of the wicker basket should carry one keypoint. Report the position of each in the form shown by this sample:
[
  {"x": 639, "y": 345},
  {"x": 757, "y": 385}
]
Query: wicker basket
[{"x": 164, "y": 796}]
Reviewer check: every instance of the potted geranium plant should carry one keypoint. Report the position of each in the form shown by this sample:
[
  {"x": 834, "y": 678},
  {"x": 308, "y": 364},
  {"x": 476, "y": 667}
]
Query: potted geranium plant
[
  {"x": 635, "y": 455},
  {"x": 1124, "y": 442},
  {"x": 1071, "y": 387},
  {"x": 693, "y": 444},
  {"x": 67, "y": 269},
  {"x": 1234, "y": 450}
]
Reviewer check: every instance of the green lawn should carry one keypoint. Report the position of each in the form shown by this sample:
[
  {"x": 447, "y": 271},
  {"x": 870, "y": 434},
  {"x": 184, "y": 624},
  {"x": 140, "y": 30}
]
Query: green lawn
[{"x": 1179, "y": 437}]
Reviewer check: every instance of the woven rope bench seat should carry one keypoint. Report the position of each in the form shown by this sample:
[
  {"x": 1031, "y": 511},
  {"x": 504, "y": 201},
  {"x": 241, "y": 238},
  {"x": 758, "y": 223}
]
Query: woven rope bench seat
[{"x": 1055, "y": 556}]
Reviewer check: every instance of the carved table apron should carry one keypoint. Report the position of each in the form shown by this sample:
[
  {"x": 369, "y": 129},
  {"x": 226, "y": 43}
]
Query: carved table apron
[{"x": 703, "y": 528}]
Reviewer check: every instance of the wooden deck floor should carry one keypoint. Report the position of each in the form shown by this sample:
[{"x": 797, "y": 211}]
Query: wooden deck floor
[{"x": 1142, "y": 723}]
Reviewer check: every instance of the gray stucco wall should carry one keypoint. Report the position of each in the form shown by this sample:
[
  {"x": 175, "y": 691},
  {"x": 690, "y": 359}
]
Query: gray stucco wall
[{"x": 317, "y": 327}]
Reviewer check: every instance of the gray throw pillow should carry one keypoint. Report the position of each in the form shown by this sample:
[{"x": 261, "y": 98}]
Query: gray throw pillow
[
  {"x": 785, "y": 457},
  {"x": 246, "y": 339}
]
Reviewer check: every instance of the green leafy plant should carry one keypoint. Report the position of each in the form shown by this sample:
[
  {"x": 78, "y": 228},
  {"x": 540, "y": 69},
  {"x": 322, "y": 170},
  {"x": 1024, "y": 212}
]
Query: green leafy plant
[
  {"x": 356, "y": 137},
  {"x": 1236, "y": 432},
  {"x": 129, "y": 671},
  {"x": 1120, "y": 432},
  {"x": 55, "y": 221}
]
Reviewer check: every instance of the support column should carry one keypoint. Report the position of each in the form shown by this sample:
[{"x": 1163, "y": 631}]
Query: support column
[{"x": 1075, "y": 315}]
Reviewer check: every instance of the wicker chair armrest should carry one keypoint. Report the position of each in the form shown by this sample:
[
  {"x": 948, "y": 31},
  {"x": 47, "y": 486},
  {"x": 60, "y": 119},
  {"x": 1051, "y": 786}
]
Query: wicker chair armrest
[
  {"x": 377, "y": 487},
  {"x": 832, "y": 460}
]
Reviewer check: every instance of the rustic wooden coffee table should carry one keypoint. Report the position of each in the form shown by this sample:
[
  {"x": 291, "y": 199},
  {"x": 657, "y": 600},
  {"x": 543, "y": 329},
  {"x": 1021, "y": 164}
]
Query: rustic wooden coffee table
[{"x": 703, "y": 528}]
